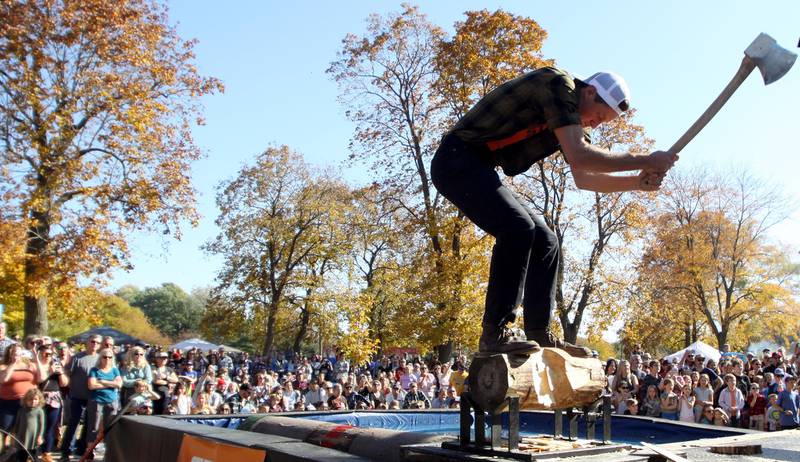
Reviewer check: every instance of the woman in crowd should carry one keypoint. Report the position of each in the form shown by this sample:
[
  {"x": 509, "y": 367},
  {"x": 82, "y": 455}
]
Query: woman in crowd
[
  {"x": 18, "y": 374},
  {"x": 105, "y": 380},
  {"x": 163, "y": 377},
  {"x": 611, "y": 372},
  {"x": 203, "y": 406},
  {"x": 54, "y": 381},
  {"x": 136, "y": 368}
]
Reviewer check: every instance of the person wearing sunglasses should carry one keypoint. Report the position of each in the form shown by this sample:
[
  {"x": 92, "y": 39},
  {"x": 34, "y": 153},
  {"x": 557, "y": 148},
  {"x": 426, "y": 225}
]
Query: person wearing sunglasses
[
  {"x": 136, "y": 368},
  {"x": 78, "y": 371},
  {"x": 105, "y": 380},
  {"x": 519, "y": 123}
]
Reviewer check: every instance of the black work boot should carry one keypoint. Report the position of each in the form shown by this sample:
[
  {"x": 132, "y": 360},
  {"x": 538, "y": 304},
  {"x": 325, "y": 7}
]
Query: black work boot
[
  {"x": 546, "y": 339},
  {"x": 499, "y": 339}
]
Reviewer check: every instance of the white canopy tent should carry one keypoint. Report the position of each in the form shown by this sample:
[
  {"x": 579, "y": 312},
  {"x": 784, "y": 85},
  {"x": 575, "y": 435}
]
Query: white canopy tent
[
  {"x": 698, "y": 348},
  {"x": 198, "y": 343}
]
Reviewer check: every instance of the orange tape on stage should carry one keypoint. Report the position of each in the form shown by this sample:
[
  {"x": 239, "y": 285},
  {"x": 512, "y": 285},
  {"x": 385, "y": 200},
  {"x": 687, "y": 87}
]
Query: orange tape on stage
[{"x": 194, "y": 449}]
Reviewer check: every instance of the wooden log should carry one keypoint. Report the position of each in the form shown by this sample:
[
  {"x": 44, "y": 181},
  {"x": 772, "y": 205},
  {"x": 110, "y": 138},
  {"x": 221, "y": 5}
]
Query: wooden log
[
  {"x": 737, "y": 449},
  {"x": 547, "y": 379}
]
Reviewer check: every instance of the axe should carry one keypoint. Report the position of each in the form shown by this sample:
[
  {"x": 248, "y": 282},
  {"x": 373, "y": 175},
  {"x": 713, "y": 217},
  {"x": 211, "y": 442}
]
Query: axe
[{"x": 771, "y": 59}]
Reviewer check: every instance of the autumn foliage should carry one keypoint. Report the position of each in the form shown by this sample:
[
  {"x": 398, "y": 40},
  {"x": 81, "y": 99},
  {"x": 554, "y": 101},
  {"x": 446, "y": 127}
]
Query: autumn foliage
[{"x": 97, "y": 101}]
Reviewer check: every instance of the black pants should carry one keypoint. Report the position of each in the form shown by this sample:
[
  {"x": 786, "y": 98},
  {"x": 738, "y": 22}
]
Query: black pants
[{"x": 526, "y": 252}]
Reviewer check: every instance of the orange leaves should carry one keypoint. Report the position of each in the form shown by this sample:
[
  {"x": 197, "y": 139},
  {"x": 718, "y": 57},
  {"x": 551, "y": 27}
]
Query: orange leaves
[{"x": 97, "y": 98}]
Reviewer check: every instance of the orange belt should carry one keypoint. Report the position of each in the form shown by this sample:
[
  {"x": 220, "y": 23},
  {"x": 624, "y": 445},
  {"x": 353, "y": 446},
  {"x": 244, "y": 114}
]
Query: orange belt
[{"x": 525, "y": 133}]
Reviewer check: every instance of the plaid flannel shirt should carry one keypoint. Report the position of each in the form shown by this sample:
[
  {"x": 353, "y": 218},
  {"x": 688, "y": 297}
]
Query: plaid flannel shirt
[{"x": 514, "y": 123}]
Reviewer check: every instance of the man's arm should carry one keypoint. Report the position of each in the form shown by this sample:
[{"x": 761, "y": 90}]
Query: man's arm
[
  {"x": 606, "y": 183},
  {"x": 585, "y": 156}
]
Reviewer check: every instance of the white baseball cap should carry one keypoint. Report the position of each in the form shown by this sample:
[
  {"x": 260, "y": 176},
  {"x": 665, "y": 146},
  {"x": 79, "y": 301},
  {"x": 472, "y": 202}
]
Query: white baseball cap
[{"x": 612, "y": 88}]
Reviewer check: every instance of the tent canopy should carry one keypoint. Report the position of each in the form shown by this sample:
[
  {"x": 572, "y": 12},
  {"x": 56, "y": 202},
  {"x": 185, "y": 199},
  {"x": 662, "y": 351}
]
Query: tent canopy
[
  {"x": 105, "y": 331},
  {"x": 198, "y": 343},
  {"x": 698, "y": 348}
]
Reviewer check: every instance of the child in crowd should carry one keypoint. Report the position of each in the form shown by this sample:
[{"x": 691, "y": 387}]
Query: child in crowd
[
  {"x": 703, "y": 394},
  {"x": 721, "y": 418},
  {"x": 669, "y": 401},
  {"x": 651, "y": 406},
  {"x": 757, "y": 407},
  {"x": 631, "y": 407},
  {"x": 29, "y": 425},
  {"x": 773, "y": 414},
  {"x": 686, "y": 403},
  {"x": 142, "y": 401},
  {"x": 789, "y": 403},
  {"x": 731, "y": 399}
]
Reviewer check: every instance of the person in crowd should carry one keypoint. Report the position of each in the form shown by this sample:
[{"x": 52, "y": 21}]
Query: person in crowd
[
  {"x": 375, "y": 395},
  {"x": 415, "y": 399},
  {"x": 669, "y": 400},
  {"x": 108, "y": 343},
  {"x": 757, "y": 405},
  {"x": 686, "y": 404},
  {"x": 354, "y": 400},
  {"x": 141, "y": 402},
  {"x": 336, "y": 400},
  {"x": 202, "y": 405},
  {"x": 316, "y": 394},
  {"x": 18, "y": 374},
  {"x": 78, "y": 371},
  {"x": 5, "y": 342},
  {"x": 651, "y": 405},
  {"x": 704, "y": 395},
  {"x": 53, "y": 402},
  {"x": 706, "y": 415},
  {"x": 29, "y": 426},
  {"x": 443, "y": 375},
  {"x": 440, "y": 401},
  {"x": 731, "y": 399},
  {"x": 774, "y": 412},
  {"x": 397, "y": 394},
  {"x": 181, "y": 400},
  {"x": 163, "y": 377},
  {"x": 651, "y": 379},
  {"x": 789, "y": 402},
  {"x": 290, "y": 395},
  {"x": 721, "y": 418},
  {"x": 136, "y": 368},
  {"x": 631, "y": 407},
  {"x": 242, "y": 402},
  {"x": 611, "y": 372},
  {"x": 104, "y": 382},
  {"x": 261, "y": 388},
  {"x": 459, "y": 376}
]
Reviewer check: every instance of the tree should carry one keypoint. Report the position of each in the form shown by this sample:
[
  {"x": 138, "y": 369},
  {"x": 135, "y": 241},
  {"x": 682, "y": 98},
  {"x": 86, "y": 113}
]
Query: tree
[
  {"x": 170, "y": 309},
  {"x": 97, "y": 100},
  {"x": 278, "y": 223},
  {"x": 709, "y": 257}
]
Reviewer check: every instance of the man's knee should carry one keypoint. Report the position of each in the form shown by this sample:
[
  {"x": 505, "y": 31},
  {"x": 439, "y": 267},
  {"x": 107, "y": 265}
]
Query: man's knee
[{"x": 546, "y": 242}]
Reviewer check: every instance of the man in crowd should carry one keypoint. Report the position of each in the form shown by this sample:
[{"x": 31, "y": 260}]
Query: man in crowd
[
  {"x": 517, "y": 124},
  {"x": 5, "y": 342},
  {"x": 415, "y": 398},
  {"x": 78, "y": 372}
]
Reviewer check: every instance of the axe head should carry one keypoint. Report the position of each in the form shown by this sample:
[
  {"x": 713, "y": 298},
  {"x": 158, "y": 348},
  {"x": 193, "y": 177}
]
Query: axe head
[{"x": 771, "y": 59}]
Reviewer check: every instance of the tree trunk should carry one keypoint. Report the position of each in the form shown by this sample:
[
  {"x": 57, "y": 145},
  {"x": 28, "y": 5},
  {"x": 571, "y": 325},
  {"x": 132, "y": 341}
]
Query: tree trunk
[
  {"x": 36, "y": 306},
  {"x": 570, "y": 331},
  {"x": 305, "y": 315},
  {"x": 270, "y": 339},
  {"x": 444, "y": 351}
]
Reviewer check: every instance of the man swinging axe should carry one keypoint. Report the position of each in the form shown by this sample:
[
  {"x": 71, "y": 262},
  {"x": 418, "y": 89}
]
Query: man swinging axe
[{"x": 517, "y": 124}]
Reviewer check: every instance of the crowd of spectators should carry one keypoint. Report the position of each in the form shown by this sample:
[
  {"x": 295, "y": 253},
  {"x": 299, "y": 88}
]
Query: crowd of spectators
[
  {"x": 75, "y": 389},
  {"x": 748, "y": 390},
  {"x": 89, "y": 384}
]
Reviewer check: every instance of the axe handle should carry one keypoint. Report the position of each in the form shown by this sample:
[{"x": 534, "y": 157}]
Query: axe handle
[{"x": 744, "y": 70}]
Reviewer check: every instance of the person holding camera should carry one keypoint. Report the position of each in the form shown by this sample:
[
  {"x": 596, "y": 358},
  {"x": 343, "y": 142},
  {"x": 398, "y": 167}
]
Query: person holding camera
[
  {"x": 18, "y": 374},
  {"x": 55, "y": 379}
]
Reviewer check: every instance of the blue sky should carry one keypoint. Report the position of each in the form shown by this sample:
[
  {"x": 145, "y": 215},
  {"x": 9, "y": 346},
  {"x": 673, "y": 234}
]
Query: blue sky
[{"x": 676, "y": 57}]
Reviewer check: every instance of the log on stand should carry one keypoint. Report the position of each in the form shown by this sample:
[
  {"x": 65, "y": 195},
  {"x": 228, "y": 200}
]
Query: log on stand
[{"x": 548, "y": 379}]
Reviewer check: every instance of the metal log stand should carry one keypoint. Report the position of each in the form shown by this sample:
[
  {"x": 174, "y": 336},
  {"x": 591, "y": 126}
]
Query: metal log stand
[{"x": 492, "y": 445}]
